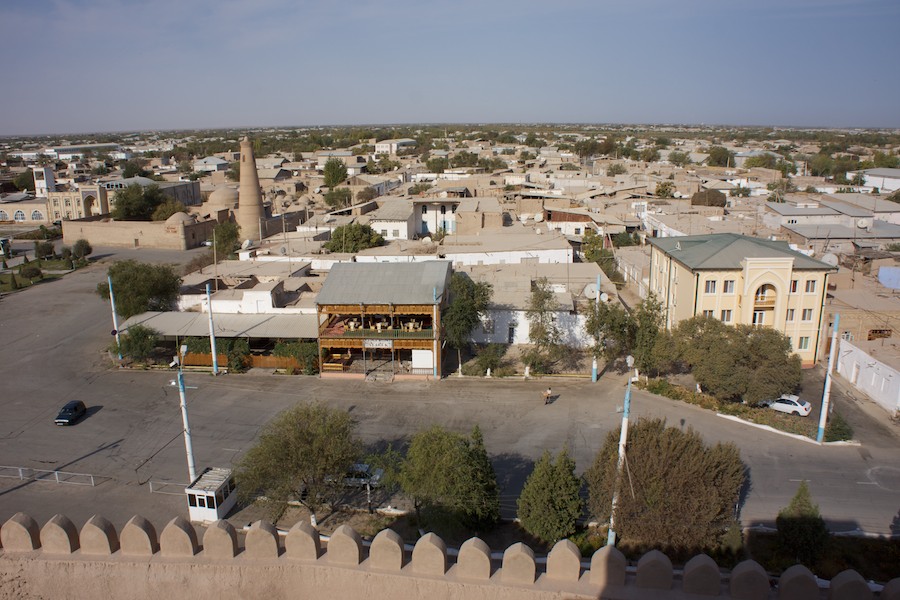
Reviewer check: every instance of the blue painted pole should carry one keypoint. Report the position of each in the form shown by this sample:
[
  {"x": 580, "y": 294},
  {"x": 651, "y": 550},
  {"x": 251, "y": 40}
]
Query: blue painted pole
[
  {"x": 594, "y": 364},
  {"x": 212, "y": 332},
  {"x": 112, "y": 303},
  {"x": 623, "y": 439},
  {"x": 826, "y": 394}
]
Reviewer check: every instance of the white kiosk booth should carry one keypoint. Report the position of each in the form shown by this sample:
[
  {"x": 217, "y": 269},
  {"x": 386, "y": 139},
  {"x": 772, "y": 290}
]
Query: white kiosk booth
[{"x": 211, "y": 495}]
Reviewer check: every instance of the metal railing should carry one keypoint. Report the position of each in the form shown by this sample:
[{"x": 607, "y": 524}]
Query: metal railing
[
  {"x": 29, "y": 474},
  {"x": 385, "y": 334},
  {"x": 162, "y": 487}
]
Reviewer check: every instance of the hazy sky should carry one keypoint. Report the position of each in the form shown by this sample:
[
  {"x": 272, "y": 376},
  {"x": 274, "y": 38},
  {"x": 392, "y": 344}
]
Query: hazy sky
[{"x": 116, "y": 65}]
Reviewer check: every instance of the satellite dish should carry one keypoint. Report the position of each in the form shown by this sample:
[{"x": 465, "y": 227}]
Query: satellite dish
[
  {"x": 426, "y": 240},
  {"x": 830, "y": 259},
  {"x": 282, "y": 251},
  {"x": 604, "y": 297},
  {"x": 591, "y": 291},
  {"x": 538, "y": 217},
  {"x": 246, "y": 244}
]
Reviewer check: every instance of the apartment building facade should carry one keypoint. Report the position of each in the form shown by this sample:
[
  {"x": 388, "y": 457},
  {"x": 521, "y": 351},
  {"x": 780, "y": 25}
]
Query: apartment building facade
[{"x": 742, "y": 280}]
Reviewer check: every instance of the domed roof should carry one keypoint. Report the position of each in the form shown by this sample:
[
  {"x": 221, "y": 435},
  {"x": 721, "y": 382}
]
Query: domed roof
[
  {"x": 180, "y": 217},
  {"x": 225, "y": 197}
]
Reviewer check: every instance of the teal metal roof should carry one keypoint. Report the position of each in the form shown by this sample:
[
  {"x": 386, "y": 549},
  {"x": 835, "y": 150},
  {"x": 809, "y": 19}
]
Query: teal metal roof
[{"x": 721, "y": 251}]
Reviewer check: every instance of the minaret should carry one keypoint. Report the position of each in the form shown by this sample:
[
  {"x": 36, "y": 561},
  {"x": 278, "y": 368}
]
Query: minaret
[{"x": 250, "y": 205}]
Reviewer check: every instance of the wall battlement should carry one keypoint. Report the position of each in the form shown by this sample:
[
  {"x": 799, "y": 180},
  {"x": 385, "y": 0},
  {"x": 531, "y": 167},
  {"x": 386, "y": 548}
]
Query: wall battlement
[{"x": 59, "y": 561}]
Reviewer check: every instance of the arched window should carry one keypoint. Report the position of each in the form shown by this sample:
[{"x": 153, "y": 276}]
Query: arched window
[
  {"x": 424, "y": 210},
  {"x": 37, "y": 215},
  {"x": 19, "y": 216},
  {"x": 4, "y": 216},
  {"x": 68, "y": 203}
]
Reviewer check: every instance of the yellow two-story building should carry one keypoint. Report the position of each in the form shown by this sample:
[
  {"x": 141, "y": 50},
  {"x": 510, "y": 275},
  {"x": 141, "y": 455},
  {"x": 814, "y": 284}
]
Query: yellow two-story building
[{"x": 740, "y": 279}]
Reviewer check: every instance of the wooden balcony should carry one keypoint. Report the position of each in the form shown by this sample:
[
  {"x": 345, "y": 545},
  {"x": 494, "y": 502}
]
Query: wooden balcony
[{"x": 764, "y": 301}]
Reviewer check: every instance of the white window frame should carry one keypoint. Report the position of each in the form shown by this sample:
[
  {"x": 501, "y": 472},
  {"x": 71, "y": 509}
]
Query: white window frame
[
  {"x": 709, "y": 287},
  {"x": 807, "y": 314},
  {"x": 728, "y": 286},
  {"x": 803, "y": 344},
  {"x": 726, "y": 315},
  {"x": 790, "y": 315},
  {"x": 810, "y": 286}
]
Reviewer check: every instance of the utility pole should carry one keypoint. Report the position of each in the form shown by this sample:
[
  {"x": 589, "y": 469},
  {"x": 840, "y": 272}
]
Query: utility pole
[
  {"x": 112, "y": 303},
  {"x": 188, "y": 446},
  {"x": 212, "y": 332},
  {"x": 594, "y": 363},
  {"x": 623, "y": 440},
  {"x": 826, "y": 394}
]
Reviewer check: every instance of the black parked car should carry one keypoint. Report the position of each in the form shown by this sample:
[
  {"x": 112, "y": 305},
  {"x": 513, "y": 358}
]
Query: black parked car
[{"x": 70, "y": 413}]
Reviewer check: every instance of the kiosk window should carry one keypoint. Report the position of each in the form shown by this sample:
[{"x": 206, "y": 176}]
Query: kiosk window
[{"x": 192, "y": 500}]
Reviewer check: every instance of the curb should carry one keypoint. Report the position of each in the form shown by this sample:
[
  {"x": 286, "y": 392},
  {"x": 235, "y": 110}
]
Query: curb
[{"x": 796, "y": 436}]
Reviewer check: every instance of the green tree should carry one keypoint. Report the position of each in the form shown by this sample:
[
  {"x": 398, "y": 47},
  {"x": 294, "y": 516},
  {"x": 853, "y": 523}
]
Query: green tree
[
  {"x": 649, "y": 155},
  {"x": 533, "y": 141},
  {"x": 419, "y": 188},
  {"x": 24, "y": 181},
  {"x": 821, "y": 165},
  {"x": 739, "y": 362},
  {"x": 138, "y": 342},
  {"x": 168, "y": 208},
  {"x": 468, "y": 302},
  {"x": 352, "y": 238},
  {"x": 335, "y": 172},
  {"x": 141, "y": 287},
  {"x": 234, "y": 172},
  {"x": 366, "y": 194},
  {"x": 81, "y": 248},
  {"x": 802, "y": 533},
  {"x": 766, "y": 161},
  {"x": 616, "y": 169},
  {"x": 882, "y": 160},
  {"x": 30, "y": 272},
  {"x": 720, "y": 157},
  {"x": 338, "y": 197},
  {"x": 550, "y": 503},
  {"x": 612, "y": 329},
  {"x": 679, "y": 159},
  {"x": 464, "y": 159},
  {"x": 740, "y": 191},
  {"x": 449, "y": 479},
  {"x": 133, "y": 168},
  {"x": 44, "y": 250},
  {"x": 136, "y": 203},
  {"x": 665, "y": 189},
  {"x": 437, "y": 164},
  {"x": 678, "y": 493},
  {"x": 227, "y": 239},
  {"x": 648, "y": 321},
  {"x": 543, "y": 332},
  {"x": 302, "y": 455}
]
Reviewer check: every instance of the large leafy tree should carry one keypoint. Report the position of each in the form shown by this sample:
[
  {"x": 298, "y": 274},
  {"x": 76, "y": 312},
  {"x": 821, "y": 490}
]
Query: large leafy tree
[
  {"x": 450, "y": 480},
  {"x": 550, "y": 503},
  {"x": 24, "y": 181},
  {"x": 720, "y": 157},
  {"x": 544, "y": 333},
  {"x": 338, "y": 197},
  {"x": 227, "y": 239},
  {"x": 141, "y": 287},
  {"x": 136, "y": 203},
  {"x": 678, "y": 158},
  {"x": 737, "y": 362},
  {"x": 335, "y": 172},
  {"x": 468, "y": 302},
  {"x": 353, "y": 237},
  {"x": 302, "y": 455},
  {"x": 677, "y": 492}
]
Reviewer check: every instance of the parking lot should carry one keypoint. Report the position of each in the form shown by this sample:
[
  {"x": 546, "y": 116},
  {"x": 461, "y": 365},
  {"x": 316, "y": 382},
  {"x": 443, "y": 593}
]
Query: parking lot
[{"x": 55, "y": 336}]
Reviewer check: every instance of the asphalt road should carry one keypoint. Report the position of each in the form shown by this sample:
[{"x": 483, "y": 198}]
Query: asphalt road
[{"x": 54, "y": 338}]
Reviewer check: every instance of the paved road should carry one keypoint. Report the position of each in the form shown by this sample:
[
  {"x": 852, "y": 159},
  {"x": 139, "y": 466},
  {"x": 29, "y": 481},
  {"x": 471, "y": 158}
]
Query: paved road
[{"x": 54, "y": 336}]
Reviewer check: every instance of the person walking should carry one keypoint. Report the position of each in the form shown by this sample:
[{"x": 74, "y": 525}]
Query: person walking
[{"x": 547, "y": 396}]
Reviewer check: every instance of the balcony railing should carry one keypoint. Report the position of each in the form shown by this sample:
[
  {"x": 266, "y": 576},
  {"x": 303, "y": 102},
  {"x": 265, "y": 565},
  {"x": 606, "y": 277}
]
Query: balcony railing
[
  {"x": 379, "y": 334},
  {"x": 764, "y": 301}
]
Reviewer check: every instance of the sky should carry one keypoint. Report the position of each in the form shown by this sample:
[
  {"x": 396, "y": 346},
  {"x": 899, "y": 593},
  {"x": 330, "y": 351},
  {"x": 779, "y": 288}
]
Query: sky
[{"x": 80, "y": 66}]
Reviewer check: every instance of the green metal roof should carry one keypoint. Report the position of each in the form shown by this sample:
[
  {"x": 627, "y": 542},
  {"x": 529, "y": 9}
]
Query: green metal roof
[{"x": 720, "y": 251}]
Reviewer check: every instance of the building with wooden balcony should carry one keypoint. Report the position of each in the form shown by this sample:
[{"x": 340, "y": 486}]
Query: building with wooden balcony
[
  {"x": 382, "y": 320},
  {"x": 742, "y": 280}
]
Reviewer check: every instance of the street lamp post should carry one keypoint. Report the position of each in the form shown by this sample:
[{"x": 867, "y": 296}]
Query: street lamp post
[
  {"x": 826, "y": 393},
  {"x": 623, "y": 439},
  {"x": 188, "y": 446}
]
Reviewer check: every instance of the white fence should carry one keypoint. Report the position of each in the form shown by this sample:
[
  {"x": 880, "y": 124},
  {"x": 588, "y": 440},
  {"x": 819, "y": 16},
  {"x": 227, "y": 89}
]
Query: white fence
[{"x": 29, "y": 474}]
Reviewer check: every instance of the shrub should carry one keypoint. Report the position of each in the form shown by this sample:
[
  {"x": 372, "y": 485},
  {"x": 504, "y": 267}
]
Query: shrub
[
  {"x": 550, "y": 503},
  {"x": 138, "y": 342},
  {"x": 681, "y": 493},
  {"x": 838, "y": 430},
  {"x": 30, "y": 271},
  {"x": 801, "y": 530},
  {"x": 306, "y": 353}
]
